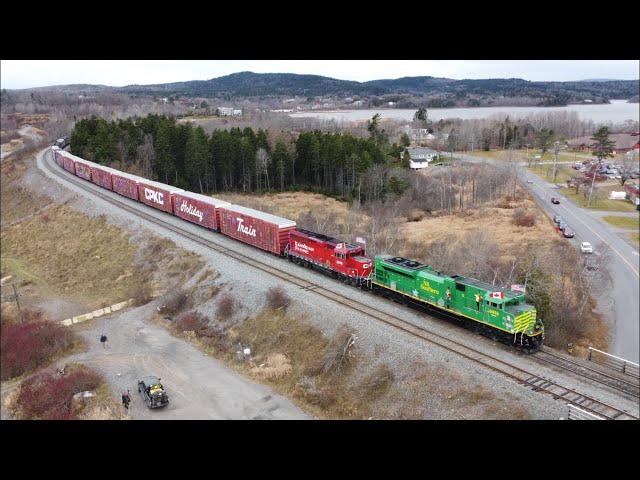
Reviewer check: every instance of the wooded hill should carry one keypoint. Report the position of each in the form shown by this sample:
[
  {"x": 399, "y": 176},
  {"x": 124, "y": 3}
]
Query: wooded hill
[{"x": 447, "y": 92}]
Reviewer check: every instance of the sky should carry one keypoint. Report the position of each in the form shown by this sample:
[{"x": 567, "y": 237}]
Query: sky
[{"x": 16, "y": 74}]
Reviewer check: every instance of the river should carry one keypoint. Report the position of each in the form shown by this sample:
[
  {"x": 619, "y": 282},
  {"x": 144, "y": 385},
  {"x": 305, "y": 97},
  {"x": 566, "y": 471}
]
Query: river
[{"x": 617, "y": 111}]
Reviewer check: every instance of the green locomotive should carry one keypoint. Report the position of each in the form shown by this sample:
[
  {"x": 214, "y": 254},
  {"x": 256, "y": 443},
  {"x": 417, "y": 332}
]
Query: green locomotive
[{"x": 500, "y": 311}]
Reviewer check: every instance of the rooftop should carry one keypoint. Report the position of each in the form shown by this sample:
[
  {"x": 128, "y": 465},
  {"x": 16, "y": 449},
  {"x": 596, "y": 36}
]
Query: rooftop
[{"x": 267, "y": 217}]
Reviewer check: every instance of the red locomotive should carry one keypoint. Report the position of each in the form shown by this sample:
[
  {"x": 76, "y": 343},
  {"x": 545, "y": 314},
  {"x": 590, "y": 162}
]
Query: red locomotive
[{"x": 346, "y": 261}]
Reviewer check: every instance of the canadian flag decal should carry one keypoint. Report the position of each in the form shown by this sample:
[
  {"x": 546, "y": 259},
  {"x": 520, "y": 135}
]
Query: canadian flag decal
[{"x": 497, "y": 295}]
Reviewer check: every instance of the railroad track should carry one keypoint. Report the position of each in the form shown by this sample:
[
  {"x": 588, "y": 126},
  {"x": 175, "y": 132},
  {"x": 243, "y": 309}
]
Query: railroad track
[
  {"x": 596, "y": 375},
  {"x": 522, "y": 376}
]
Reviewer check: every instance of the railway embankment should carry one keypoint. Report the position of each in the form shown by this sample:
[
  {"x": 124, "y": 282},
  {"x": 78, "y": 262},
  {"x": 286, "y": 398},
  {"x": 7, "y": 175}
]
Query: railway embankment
[{"x": 416, "y": 380}]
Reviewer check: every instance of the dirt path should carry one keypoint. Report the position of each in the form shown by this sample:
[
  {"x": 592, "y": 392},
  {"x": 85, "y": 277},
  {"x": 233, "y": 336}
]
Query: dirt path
[{"x": 199, "y": 386}]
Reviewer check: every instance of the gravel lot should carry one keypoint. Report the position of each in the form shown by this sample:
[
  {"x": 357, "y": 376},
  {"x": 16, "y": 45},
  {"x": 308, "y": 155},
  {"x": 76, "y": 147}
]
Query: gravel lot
[
  {"x": 199, "y": 387},
  {"x": 377, "y": 343}
]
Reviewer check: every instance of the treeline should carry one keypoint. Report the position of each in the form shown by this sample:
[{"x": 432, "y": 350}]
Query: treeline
[{"x": 337, "y": 164}]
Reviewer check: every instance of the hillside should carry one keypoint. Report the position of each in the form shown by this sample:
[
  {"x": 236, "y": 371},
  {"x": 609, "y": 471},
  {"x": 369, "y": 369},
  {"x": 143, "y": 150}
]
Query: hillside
[{"x": 405, "y": 91}]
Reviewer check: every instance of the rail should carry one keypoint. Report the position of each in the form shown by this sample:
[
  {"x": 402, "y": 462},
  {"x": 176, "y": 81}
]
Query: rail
[
  {"x": 500, "y": 366},
  {"x": 576, "y": 413},
  {"x": 619, "y": 364},
  {"x": 580, "y": 367}
]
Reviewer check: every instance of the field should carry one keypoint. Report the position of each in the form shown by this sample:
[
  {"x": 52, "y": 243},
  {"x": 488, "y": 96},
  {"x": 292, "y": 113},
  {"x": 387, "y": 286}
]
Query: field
[
  {"x": 623, "y": 222},
  {"x": 522, "y": 155},
  {"x": 563, "y": 173},
  {"x": 600, "y": 200}
]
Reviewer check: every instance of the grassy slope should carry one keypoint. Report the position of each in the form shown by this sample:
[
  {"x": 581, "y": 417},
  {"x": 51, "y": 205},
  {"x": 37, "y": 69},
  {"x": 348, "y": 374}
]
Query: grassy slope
[{"x": 623, "y": 222}]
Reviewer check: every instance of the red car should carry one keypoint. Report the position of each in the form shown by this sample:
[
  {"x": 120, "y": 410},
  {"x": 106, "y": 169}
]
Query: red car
[
  {"x": 555, "y": 200},
  {"x": 568, "y": 233}
]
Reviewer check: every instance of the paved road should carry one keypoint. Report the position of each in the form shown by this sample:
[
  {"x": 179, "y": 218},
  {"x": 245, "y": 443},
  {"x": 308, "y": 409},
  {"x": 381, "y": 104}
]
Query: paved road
[
  {"x": 200, "y": 387},
  {"x": 622, "y": 303}
]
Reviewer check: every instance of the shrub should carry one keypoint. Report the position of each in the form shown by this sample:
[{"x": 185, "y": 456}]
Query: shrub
[
  {"x": 226, "y": 306},
  {"x": 24, "y": 347},
  {"x": 378, "y": 382},
  {"x": 415, "y": 215},
  {"x": 522, "y": 218},
  {"x": 173, "y": 303},
  {"x": 141, "y": 294},
  {"x": 49, "y": 396},
  {"x": 191, "y": 321},
  {"x": 278, "y": 298}
]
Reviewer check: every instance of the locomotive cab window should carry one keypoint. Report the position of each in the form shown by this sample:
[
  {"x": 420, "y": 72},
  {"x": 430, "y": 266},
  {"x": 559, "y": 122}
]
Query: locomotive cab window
[{"x": 461, "y": 287}]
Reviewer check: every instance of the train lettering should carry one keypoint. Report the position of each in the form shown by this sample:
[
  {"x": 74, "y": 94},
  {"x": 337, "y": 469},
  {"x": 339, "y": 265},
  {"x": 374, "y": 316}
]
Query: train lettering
[
  {"x": 157, "y": 197},
  {"x": 246, "y": 230},
  {"x": 191, "y": 210},
  {"x": 303, "y": 247},
  {"x": 428, "y": 288}
]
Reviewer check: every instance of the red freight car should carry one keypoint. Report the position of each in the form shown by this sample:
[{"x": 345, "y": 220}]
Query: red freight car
[
  {"x": 56, "y": 155},
  {"x": 126, "y": 184},
  {"x": 68, "y": 163},
  {"x": 83, "y": 168},
  {"x": 101, "y": 175},
  {"x": 262, "y": 230},
  {"x": 157, "y": 195},
  {"x": 344, "y": 260},
  {"x": 198, "y": 209}
]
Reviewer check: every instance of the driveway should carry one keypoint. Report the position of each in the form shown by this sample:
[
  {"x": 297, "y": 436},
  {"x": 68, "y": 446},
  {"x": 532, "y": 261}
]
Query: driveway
[
  {"x": 199, "y": 386},
  {"x": 621, "y": 303}
]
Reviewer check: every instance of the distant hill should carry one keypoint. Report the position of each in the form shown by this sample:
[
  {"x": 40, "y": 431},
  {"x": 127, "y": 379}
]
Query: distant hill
[{"x": 442, "y": 91}]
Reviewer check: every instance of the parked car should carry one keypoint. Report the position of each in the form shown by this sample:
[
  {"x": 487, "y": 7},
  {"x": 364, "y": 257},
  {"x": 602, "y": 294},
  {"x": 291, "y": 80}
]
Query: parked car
[
  {"x": 529, "y": 181},
  {"x": 586, "y": 247},
  {"x": 568, "y": 233},
  {"x": 557, "y": 219},
  {"x": 562, "y": 225},
  {"x": 153, "y": 392},
  {"x": 555, "y": 200}
]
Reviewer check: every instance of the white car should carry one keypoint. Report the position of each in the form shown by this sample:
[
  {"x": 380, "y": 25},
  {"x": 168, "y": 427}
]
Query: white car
[{"x": 586, "y": 247}]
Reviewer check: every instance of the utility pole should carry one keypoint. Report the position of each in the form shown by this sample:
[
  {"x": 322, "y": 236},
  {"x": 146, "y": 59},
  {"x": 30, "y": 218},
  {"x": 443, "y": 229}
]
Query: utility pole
[
  {"x": 594, "y": 172},
  {"x": 15, "y": 297},
  {"x": 556, "y": 148}
]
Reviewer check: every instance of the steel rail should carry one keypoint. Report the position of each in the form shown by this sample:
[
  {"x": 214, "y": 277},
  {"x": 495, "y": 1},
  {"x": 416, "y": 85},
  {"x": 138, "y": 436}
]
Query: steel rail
[
  {"x": 518, "y": 374},
  {"x": 620, "y": 384}
]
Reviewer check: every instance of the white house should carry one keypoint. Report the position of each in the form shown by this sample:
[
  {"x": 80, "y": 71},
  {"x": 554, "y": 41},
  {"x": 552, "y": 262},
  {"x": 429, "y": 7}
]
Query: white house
[{"x": 420, "y": 157}]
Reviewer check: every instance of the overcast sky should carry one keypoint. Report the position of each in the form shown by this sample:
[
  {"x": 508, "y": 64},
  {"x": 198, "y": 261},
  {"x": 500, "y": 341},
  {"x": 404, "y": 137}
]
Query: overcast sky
[{"x": 40, "y": 73}]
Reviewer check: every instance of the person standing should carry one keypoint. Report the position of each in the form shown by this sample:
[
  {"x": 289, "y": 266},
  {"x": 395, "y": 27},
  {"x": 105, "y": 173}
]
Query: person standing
[
  {"x": 478, "y": 301},
  {"x": 448, "y": 293},
  {"x": 126, "y": 399},
  {"x": 103, "y": 340}
]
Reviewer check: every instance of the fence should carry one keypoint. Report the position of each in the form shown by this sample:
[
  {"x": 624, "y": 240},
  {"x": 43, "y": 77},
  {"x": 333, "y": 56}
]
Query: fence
[
  {"x": 576, "y": 413},
  {"x": 616, "y": 363}
]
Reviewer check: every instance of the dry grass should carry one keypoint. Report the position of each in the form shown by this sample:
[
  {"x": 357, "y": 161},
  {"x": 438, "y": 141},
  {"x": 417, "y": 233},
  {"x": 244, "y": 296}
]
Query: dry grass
[
  {"x": 275, "y": 366},
  {"x": 74, "y": 256},
  {"x": 435, "y": 391},
  {"x": 295, "y": 205},
  {"x": 509, "y": 237}
]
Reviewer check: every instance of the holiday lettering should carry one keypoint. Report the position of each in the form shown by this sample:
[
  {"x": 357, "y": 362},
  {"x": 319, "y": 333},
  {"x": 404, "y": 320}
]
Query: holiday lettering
[
  {"x": 157, "y": 197},
  {"x": 191, "y": 210},
  {"x": 246, "y": 230}
]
